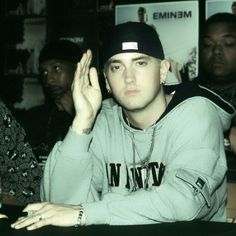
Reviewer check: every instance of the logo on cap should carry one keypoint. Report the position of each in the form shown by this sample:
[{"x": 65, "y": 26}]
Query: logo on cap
[{"x": 130, "y": 46}]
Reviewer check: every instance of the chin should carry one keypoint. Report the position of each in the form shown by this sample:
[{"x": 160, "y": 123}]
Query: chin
[{"x": 133, "y": 106}]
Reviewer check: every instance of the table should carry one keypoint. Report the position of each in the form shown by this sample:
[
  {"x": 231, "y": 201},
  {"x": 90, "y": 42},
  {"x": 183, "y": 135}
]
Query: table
[{"x": 194, "y": 228}]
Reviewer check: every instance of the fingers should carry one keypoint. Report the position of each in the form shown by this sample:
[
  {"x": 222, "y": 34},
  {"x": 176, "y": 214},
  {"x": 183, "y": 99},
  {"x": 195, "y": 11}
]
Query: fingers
[
  {"x": 31, "y": 222},
  {"x": 82, "y": 71},
  {"x": 3, "y": 216}
]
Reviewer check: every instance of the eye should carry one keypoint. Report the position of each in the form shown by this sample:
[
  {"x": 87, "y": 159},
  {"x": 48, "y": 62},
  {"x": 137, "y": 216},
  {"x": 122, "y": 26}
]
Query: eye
[
  {"x": 141, "y": 63},
  {"x": 207, "y": 43},
  {"x": 230, "y": 43},
  {"x": 57, "y": 68},
  {"x": 114, "y": 67}
]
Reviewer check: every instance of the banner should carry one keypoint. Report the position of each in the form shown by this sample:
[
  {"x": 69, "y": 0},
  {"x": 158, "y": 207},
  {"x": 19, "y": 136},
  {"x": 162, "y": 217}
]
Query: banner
[{"x": 177, "y": 25}]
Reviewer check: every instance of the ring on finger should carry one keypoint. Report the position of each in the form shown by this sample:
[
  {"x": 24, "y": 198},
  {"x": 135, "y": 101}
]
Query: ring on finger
[{"x": 40, "y": 217}]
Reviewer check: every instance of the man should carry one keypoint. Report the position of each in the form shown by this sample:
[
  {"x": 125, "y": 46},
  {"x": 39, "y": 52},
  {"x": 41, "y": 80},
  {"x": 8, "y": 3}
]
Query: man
[
  {"x": 57, "y": 64},
  {"x": 218, "y": 69},
  {"x": 146, "y": 156}
]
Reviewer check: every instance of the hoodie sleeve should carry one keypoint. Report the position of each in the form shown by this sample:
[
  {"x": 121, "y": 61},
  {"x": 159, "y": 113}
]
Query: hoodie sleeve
[{"x": 68, "y": 172}]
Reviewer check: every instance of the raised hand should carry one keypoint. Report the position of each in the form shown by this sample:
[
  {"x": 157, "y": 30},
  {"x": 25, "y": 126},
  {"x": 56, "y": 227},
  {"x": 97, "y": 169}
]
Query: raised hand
[{"x": 86, "y": 93}]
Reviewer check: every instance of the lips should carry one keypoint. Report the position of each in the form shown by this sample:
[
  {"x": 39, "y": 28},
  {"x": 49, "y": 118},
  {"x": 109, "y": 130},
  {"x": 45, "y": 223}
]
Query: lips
[
  {"x": 131, "y": 92},
  {"x": 217, "y": 61},
  {"x": 55, "y": 90}
]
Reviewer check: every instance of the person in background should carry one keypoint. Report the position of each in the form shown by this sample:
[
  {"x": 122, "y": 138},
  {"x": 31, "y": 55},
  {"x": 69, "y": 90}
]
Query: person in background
[
  {"x": 142, "y": 15},
  {"x": 233, "y": 8},
  {"x": 141, "y": 157},
  {"x": 57, "y": 64},
  {"x": 218, "y": 68},
  {"x": 20, "y": 172}
]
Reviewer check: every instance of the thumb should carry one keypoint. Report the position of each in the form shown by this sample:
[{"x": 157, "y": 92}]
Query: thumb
[
  {"x": 34, "y": 206},
  {"x": 3, "y": 216}
]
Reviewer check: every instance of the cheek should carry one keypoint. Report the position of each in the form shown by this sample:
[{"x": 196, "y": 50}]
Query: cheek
[
  {"x": 205, "y": 54},
  {"x": 63, "y": 80},
  {"x": 231, "y": 55},
  {"x": 115, "y": 84}
]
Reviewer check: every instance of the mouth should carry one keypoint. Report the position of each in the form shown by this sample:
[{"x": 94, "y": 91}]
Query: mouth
[
  {"x": 55, "y": 91},
  {"x": 217, "y": 62},
  {"x": 131, "y": 92}
]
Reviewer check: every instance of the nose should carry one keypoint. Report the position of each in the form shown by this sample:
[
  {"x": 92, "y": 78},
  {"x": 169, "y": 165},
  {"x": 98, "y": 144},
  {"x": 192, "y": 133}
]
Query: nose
[
  {"x": 48, "y": 79},
  {"x": 129, "y": 75},
  {"x": 217, "y": 49}
]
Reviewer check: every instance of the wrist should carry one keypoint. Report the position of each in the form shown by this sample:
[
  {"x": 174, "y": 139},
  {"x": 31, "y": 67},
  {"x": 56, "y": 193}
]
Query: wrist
[
  {"x": 80, "y": 221},
  {"x": 82, "y": 127}
]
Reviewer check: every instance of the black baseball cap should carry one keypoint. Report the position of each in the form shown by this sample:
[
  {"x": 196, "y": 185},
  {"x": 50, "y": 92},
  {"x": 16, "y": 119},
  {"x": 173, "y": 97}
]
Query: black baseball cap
[{"x": 131, "y": 37}]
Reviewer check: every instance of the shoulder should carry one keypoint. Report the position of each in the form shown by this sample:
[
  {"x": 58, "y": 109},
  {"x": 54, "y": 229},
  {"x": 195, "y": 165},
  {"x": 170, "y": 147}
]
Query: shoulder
[
  {"x": 4, "y": 109},
  {"x": 191, "y": 90}
]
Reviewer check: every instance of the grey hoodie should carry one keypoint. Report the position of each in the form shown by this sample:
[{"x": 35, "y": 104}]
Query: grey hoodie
[{"x": 111, "y": 173}]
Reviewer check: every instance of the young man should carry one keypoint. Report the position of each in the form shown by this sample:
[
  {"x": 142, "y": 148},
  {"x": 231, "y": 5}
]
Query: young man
[
  {"x": 57, "y": 65},
  {"x": 146, "y": 156},
  {"x": 218, "y": 69}
]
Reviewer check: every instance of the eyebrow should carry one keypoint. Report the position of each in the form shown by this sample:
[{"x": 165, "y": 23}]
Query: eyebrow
[
  {"x": 224, "y": 35},
  {"x": 133, "y": 59}
]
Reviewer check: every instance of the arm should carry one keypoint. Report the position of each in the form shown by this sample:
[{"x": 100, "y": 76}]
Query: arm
[
  {"x": 20, "y": 173},
  {"x": 87, "y": 101},
  {"x": 64, "y": 166}
]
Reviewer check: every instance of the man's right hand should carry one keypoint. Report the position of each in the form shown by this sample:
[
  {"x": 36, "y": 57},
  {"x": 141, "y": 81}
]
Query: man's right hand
[{"x": 86, "y": 93}]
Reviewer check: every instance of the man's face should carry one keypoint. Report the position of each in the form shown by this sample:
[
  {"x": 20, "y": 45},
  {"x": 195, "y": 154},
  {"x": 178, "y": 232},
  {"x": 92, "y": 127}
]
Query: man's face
[
  {"x": 57, "y": 77},
  {"x": 218, "y": 52},
  {"x": 134, "y": 79}
]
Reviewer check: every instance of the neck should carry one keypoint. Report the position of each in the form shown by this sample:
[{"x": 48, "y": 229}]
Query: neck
[
  {"x": 65, "y": 103},
  {"x": 219, "y": 82},
  {"x": 145, "y": 118},
  {"x": 222, "y": 86}
]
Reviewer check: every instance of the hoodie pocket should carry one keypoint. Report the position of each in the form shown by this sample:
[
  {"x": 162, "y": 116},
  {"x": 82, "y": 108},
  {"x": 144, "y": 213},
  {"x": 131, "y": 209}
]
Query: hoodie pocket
[{"x": 198, "y": 184}]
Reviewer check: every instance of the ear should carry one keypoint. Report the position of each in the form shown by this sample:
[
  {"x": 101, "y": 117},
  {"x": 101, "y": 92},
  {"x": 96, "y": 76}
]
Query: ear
[
  {"x": 165, "y": 66},
  {"x": 106, "y": 81}
]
